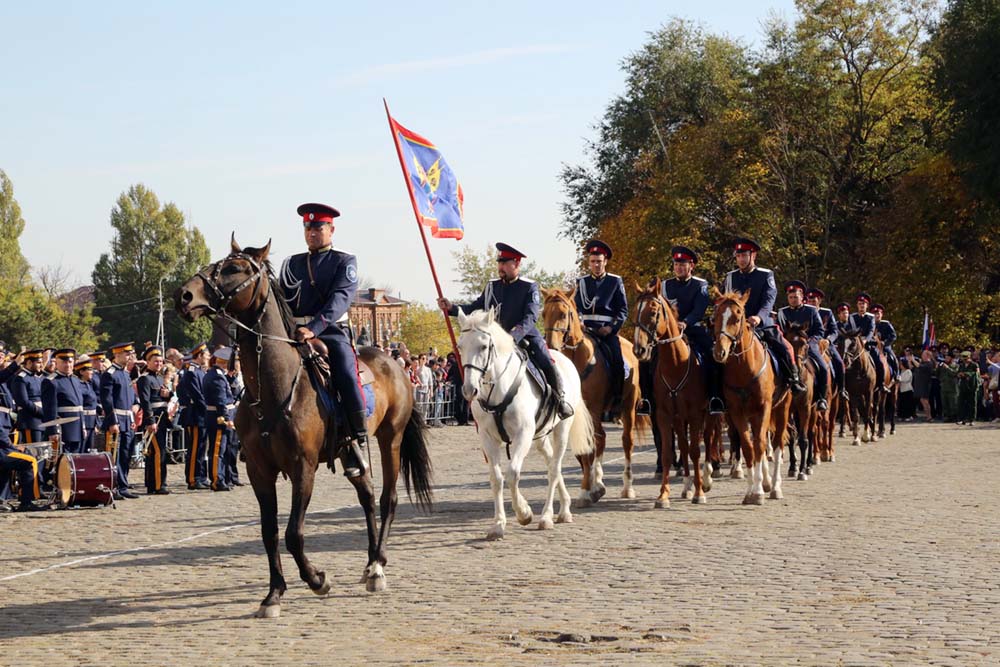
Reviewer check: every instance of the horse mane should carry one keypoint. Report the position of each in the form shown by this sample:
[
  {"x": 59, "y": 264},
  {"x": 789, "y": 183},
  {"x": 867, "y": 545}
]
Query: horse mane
[
  {"x": 479, "y": 320},
  {"x": 730, "y": 296},
  {"x": 651, "y": 291},
  {"x": 284, "y": 309}
]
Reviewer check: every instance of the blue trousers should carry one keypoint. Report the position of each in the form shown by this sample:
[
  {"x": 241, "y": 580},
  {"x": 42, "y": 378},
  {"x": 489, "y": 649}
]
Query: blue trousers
[
  {"x": 344, "y": 372},
  {"x": 126, "y": 448},
  {"x": 879, "y": 369},
  {"x": 837, "y": 366},
  {"x": 822, "y": 370},
  {"x": 218, "y": 446},
  {"x": 196, "y": 445},
  {"x": 26, "y": 468}
]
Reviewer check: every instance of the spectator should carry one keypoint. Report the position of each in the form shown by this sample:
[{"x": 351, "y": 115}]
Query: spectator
[
  {"x": 948, "y": 379},
  {"x": 460, "y": 409},
  {"x": 425, "y": 385},
  {"x": 969, "y": 383},
  {"x": 922, "y": 379},
  {"x": 907, "y": 405}
]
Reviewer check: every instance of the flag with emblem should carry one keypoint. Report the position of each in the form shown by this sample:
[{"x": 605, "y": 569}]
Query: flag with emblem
[
  {"x": 930, "y": 339},
  {"x": 435, "y": 192}
]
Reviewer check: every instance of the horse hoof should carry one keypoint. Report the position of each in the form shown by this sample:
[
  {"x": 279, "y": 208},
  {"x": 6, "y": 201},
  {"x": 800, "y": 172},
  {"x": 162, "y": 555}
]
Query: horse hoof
[
  {"x": 546, "y": 524},
  {"x": 628, "y": 493},
  {"x": 582, "y": 502},
  {"x": 737, "y": 473},
  {"x": 754, "y": 499},
  {"x": 699, "y": 500},
  {"x": 856, "y": 442},
  {"x": 525, "y": 520},
  {"x": 766, "y": 484},
  {"x": 662, "y": 503},
  {"x": 706, "y": 483},
  {"x": 496, "y": 533},
  {"x": 376, "y": 584},
  {"x": 716, "y": 474},
  {"x": 776, "y": 494},
  {"x": 598, "y": 493},
  {"x": 564, "y": 518},
  {"x": 803, "y": 477},
  {"x": 269, "y": 611},
  {"x": 833, "y": 459},
  {"x": 323, "y": 589},
  {"x": 688, "y": 495},
  {"x": 892, "y": 431}
]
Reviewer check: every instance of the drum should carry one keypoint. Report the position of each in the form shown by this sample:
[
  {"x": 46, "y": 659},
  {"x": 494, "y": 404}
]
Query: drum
[{"x": 85, "y": 479}]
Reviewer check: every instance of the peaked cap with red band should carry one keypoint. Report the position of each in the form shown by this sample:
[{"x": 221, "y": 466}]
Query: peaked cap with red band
[
  {"x": 864, "y": 296},
  {"x": 879, "y": 307},
  {"x": 598, "y": 247},
  {"x": 313, "y": 213},
  {"x": 681, "y": 253},
  {"x": 815, "y": 291},
  {"x": 505, "y": 252},
  {"x": 795, "y": 286},
  {"x": 745, "y": 244},
  {"x": 843, "y": 305}
]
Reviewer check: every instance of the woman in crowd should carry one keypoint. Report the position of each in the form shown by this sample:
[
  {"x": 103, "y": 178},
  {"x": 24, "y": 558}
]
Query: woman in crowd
[
  {"x": 907, "y": 406},
  {"x": 922, "y": 376}
]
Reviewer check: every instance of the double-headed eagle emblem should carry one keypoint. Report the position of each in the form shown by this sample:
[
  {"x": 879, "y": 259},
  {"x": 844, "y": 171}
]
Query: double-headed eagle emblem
[{"x": 430, "y": 179}]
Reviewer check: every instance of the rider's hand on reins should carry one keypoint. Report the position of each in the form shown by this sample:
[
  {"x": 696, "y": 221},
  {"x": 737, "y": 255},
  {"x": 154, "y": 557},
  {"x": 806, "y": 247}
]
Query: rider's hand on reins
[{"x": 302, "y": 334}]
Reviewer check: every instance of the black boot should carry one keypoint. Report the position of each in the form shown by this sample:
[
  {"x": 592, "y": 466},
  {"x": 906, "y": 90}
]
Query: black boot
[
  {"x": 352, "y": 456},
  {"x": 792, "y": 373},
  {"x": 564, "y": 409}
]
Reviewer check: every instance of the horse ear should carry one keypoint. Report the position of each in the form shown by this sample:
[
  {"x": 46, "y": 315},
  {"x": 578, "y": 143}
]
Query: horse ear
[
  {"x": 461, "y": 318},
  {"x": 744, "y": 298},
  {"x": 638, "y": 289},
  {"x": 545, "y": 293},
  {"x": 233, "y": 244},
  {"x": 265, "y": 251},
  {"x": 657, "y": 284},
  {"x": 571, "y": 295},
  {"x": 715, "y": 295},
  {"x": 491, "y": 315}
]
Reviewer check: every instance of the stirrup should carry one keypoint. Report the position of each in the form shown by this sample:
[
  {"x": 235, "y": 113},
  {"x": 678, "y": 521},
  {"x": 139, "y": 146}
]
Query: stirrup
[
  {"x": 822, "y": 405},
  {"x": 352, "y": 458},
  {"x": 564, "y": 409},
  {"x": 642, "y": 409},
  {"x": 716, "y": 406}
]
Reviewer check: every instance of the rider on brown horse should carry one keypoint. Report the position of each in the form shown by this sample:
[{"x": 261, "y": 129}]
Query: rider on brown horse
[
  {"x": 689, "y": 295},
  {"x": 864, "y": 322},
  {"x": 319, "y": 286},
  {"x": 814, "y": 297},
  {"x": 807, "y": 318},
  {"x": 517, "y": 302},
  {"x": 749, "y": 277},
  {"x": 600, "y": 300}
]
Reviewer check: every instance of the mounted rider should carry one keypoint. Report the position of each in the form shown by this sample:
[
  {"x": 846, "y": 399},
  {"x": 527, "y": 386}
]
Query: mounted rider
[
  {"x": 749, "y": 277},
  {"x": 689, "y": 295},
  {"x": 887, "y": 334},
  {"x": 864, "y": 322},
  {"x": 807, "y": 318},
  {"x": 600, "y": 300},
  {"x": 319, "y": 286},
  {"x": 517, "y": 301},
  {"x": 814, "y": 297}
]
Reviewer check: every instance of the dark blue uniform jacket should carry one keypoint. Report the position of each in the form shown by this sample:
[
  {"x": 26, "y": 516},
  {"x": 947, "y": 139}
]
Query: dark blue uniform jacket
[
  {"x": 518, "y": 303},
  {"x": 602, "y": 302},
  {"x": 763, "y": 292}
]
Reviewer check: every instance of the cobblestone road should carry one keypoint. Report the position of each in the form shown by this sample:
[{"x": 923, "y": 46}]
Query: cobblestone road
[{"x": 888, "y": 556}]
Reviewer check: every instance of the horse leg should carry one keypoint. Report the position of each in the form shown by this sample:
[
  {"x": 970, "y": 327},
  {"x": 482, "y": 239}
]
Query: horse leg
[
  {"x": 267, "y": 498},
  {"x": 755, "y": 452},
  {"x": 666, "y": 427},
  {"x": 694, "y": 453},
  {"x": 375, "y": 576},
  {"x": 628, "y": 424},
  {"x": 597, "y": 488},
  {"x": 711, "y": 456},
  {"x": 519, "y": 447},
  {"x": 892, "y": 399},
  {"x": 682, "y": 450},
  {"x": 803, "y": 445},
  {"x": 302, "y": 488},
  {"x": 792, "y": 460},
  {"x": 496, "y": 531}
]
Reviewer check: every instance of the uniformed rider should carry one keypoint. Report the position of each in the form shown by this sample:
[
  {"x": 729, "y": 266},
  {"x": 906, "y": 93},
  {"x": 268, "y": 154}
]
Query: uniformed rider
[
  {"x": 320, "y": 285},
  {"x": 763, "y": 292},
  {"x": 689, "y": 295},
  {"x": 600, "y": 300},
  {"x": 517, "y": 301},
  {"x": 62, "y": 404},
  {"x": 887, "y": 334},
  {"x": 864, "y": 322},
  {"x": 807, "y": 318},
  {"x": 814, "y": 297}
]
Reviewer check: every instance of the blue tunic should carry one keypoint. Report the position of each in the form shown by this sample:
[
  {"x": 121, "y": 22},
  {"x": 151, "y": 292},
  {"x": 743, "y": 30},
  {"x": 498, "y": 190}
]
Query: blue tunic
[
  {"x": 763, "y": 292},
  {"x": 90, "y": 403},
  {"x": 191, "y": 397},
  {"x": 152, "y": 403},
  {"x": 886, "y": 332},
  {"x": 863, "y": 323},
  {"x": 218, "y": 396},
  {"x": 829, "y": 321},
  {"x": 320, "y": 287},
  {"x": 27, "y": 391},
  {"x": 689, "y": 297},
  {"x": 805, "y": 316},
  {"x": 117, "y": 398},
  {"x": 517, "y": 303},
  {"x": 602, "y": 302},
  {"x": 62, "y": 405}
]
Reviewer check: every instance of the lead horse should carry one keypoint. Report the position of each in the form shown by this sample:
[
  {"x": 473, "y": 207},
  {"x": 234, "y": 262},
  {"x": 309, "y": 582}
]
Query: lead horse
[
  {"x": 564, "y": 332},
  {"x": 281, "y": 421}
]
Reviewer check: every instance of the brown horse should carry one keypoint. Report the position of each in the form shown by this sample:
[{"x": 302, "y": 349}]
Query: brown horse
[
  {"x": 679, "y": 391},
  {"x": 859, "y": 379},
  {"x": 826, "y": 421},
  {"x": 281, "y": 421},
  {"x": 886, "y": 397},
  {"x": 565, "y": 333},
  {"x": 803, "y": 406},
  {"x": 758, "y": 401}
]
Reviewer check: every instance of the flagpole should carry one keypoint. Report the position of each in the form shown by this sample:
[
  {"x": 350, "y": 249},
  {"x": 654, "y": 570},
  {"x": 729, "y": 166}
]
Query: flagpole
[{"x": 423, "y": 236}]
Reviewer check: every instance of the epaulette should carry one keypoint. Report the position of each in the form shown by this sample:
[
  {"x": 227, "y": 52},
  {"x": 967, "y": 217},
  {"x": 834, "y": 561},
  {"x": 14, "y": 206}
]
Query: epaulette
[
  {"x": 527, "y": 280},
  {"x": 342, "y": 251},
  {"x": 614, "y": 275},
  {"x": 700, "y": 280},
  {"x": 22, "y": 374}
]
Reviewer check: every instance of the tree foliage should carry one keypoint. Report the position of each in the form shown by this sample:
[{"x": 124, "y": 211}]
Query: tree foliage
[
  {"x": 826, "y": 146},
  {"x": 13, "y": 266},
  {"x": 150, "y": 243},
  {"x": 476, "y": 269},
  {"x": 423, "y": 327}
]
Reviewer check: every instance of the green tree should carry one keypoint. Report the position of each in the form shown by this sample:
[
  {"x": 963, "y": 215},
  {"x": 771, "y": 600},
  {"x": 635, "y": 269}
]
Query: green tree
[
  {"x": 476, "y": 269},
  {"x": 150, "y": 244},
  {"x": 423, "y": 327},
  {"x": 30, "y": 318},
  {"x": 13, "y": 266}
]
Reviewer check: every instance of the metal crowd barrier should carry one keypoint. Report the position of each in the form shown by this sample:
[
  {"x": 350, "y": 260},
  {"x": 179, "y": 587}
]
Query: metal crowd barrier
[{"x": 436, "y": 405}]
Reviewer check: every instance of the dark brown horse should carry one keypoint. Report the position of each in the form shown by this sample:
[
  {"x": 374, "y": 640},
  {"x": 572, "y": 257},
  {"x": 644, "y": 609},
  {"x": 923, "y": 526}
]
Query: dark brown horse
[
  {"x": 826, "y": 421},
  {"x": 679, "y": 390},
  {"x": 804, "y": 408},
  {"x": 859, "y": 379},
  {"x": 281, "y": 421}
]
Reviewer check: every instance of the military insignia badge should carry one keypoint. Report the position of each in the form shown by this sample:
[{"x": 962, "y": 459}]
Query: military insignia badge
[
  {"x": 535, "y": 298},
  {"x": 352, "y": 274}
]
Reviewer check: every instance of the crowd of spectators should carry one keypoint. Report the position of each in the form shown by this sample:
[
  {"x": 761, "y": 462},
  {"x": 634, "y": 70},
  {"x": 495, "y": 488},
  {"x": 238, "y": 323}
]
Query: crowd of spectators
[{"x": 949, "y": 384}]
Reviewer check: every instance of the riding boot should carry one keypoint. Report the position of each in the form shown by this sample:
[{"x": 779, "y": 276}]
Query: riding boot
[
  {"x": 792, "y": 373},
  {"x": 564, "y": 409},
  {"x": 352, "y": 456}
]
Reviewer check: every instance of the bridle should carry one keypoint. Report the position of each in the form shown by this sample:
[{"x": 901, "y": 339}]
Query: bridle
[
  {"x": 652, "y": 332},
  {"x": 565, "y": 330},
  {"x": 737, "y": 341}
]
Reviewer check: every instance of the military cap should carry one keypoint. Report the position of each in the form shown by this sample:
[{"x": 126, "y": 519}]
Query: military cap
[
  {"x": 815, "y": 291},
  {"x": 598, "y": 247},
  {"x": 198, "y": 349},
  {"x": 966, "y": 354},
  {"x": 681, "y": 253},
  {"x": 864, "y": 296},
  {"x": 317, "y": 214},
  {"x": 31, "y": 355},
  {"x": 150, "y": 351},
  {"x": 84, "y": 363},
  {"x": 223, "y": 354},
  {"x": 506, "y": 252},
  {"x": 795, "y": 286},
  {"x": 879, "y": 307},
  {"x": 65, "y": 353},
  {"x": 744, "y": 244},
  {"x": 97, "y": 356},
  {"x": 118, "y": 348},
  {"x": 843, "y": 305}
]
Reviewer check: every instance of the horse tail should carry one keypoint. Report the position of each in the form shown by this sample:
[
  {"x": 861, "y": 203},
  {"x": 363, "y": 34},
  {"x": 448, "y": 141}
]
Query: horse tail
[
  {"x": 415, "y": 462},
  {"x": 581, "y": 431},
  {"x": 643, "y": 425}
]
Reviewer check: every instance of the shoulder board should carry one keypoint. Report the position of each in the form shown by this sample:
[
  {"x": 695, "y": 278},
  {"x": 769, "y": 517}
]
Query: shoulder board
[
  {"x": 341, "y": 251},
  {"x": 527, "y": 280},
  {"x": 22, "y": 374},
  {"x": 614, "y": 275},
  {"x": 763, "y": 270},
  {"x": 697, "y": 279}
]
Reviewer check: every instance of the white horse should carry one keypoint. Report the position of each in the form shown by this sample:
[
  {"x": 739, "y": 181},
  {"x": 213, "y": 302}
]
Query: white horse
[{"x": 495, "y": 376}]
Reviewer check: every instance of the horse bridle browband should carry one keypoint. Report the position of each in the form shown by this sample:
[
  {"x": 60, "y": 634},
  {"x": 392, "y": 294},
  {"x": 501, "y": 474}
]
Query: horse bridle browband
[
  {"x": 564, "y": 331},
  {"x": 651, "y": 332}
]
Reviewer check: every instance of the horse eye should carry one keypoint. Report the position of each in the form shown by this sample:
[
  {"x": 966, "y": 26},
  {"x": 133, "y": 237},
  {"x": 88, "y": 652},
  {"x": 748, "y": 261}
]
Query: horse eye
[{"x": 231, "y": 269}]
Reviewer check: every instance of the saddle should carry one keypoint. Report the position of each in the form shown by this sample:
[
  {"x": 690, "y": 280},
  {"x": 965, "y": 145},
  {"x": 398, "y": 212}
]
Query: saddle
[{"x": 546, "y": 406}]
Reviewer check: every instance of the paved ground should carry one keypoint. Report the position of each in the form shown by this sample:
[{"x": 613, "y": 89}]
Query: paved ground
[{"x": 889, "y": 555}]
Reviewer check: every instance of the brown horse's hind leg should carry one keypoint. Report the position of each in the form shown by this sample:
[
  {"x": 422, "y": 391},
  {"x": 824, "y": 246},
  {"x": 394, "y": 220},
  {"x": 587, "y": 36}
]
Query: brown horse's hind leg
[
  {"x": 374, "y": 576},
  {"x": 267, "y": 497},
  {"x": 628, "y": 441},
  {"x": 302, "y": 488}
]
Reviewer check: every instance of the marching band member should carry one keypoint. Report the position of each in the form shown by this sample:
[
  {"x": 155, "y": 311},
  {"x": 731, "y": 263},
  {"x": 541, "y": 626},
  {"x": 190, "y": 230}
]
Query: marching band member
[
  {"x": 220, "y": 414},
  {"x": 119, "y": 401},
  {"x": 153, "y": 399},
  {"x": 84, "y": 369},
  {"x": 190, "y": 393},
  {"x": 62, "y": 404},
  {"x": 26, "y": 387}
]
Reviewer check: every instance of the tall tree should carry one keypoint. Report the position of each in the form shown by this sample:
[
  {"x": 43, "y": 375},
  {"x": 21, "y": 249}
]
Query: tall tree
[
  {"x": 151, "y": 246},
  {"x": 423, "y": 327},
  {"x": 13, "y": 266}
]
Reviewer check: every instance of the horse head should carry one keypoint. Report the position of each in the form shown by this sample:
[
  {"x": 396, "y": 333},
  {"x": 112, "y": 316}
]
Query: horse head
[
  {"x": 798, "y": 336},
  {"x": 481, "y": 342},
  {"x": 730, "y": 322},
  {"x": 560, "y": 319},
  {"x": 653, "y": 318},
  {"x": 225, "y": 286}
]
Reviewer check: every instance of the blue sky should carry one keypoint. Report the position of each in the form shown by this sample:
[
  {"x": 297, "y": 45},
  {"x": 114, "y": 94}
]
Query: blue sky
[{"x": 238, "y": 112}]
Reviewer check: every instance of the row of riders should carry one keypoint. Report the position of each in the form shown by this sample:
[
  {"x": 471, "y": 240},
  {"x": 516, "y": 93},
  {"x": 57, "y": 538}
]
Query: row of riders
[{"x": 91, "y": 403}]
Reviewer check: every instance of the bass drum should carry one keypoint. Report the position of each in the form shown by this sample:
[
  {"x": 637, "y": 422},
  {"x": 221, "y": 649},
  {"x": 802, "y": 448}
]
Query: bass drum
[{"x": 85, "y": 479}]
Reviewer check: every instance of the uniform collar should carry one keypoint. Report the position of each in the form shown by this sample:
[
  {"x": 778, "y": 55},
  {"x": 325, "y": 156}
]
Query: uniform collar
[
  {"x": 510, "y": 282},
  {"x": 62, "y": 375},
  {"x": 321, "y": 250},
  {"x": 117, "y": 367},
  {"x": 749, "y": 269},
  {"x": 600, "y": 277}
]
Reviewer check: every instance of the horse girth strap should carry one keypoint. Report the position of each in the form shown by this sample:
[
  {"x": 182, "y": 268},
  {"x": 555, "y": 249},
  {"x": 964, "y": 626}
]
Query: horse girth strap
[
  {"x": 744, "y": 391},
  {"x": 500, "y": 408}
]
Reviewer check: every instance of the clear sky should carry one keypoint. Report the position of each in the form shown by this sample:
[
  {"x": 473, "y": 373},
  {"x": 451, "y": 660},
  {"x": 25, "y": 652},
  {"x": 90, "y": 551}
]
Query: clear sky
[{"x": 238, "y": 112}]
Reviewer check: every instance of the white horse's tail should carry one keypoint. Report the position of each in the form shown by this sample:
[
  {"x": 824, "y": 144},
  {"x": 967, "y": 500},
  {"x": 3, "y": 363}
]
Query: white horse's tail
[{"x": 581, "y": 431}]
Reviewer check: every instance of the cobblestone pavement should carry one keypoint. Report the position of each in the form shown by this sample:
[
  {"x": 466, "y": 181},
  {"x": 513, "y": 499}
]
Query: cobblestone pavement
[{"x": 889, "y": 555}]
